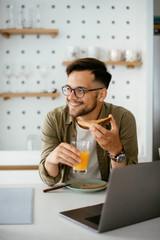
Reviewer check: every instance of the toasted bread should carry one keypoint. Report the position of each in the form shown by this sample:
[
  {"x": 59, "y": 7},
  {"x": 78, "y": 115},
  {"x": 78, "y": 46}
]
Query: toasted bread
[
  {"x": 88, "y": 123},
  {"x": 93, "y": 186}
]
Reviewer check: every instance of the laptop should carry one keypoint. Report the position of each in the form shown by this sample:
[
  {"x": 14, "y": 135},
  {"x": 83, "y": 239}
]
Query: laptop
[{"x": 132, "y": 196}]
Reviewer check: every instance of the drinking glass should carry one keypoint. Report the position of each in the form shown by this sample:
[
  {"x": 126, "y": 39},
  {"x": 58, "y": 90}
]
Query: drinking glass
[
  {"x": 44, "y": 73},
  {"x": 84, "y": 147},
  {"x": 37, "y": 17},
  {"x": 27, "y": 16}
]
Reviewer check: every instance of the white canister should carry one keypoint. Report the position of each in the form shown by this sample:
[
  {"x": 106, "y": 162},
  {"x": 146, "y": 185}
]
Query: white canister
[
  {"x": 131, "y": 55},
  {"x": 93, "y": 52},
  {"x": 116, "y": 55}
]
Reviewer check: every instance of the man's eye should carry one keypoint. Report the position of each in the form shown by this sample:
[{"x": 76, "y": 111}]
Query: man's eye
[
  {"x": 80, "y": 90},
  {"x": 67, "y": 88}
]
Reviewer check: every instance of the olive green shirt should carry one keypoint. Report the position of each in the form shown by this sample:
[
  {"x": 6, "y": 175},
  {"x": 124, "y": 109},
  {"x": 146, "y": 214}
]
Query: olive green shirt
[{"x": 59, "y": 127}]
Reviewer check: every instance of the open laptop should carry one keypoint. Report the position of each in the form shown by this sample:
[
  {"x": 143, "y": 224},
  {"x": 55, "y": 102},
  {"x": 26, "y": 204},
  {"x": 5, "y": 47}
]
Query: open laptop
[{"x": 132, "y": 196}]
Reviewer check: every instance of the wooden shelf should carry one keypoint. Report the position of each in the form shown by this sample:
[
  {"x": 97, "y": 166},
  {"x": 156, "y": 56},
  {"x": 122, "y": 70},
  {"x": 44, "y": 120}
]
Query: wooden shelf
[
  {"x": 7, "y": 32},
  {"x": 127, "y": 64},
  {"x": 19, "y": 167},
  {"x": 6, "y": 96}
]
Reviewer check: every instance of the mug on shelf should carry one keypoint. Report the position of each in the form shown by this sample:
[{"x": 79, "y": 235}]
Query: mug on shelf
[
  {"x": 131, "y": 55},
  {"x": 116, "y": 55},
  {"x": 93, "y": 52}
]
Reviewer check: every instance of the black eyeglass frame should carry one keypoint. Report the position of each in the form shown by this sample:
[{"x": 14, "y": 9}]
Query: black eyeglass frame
[{"x": 83, "y": 90}]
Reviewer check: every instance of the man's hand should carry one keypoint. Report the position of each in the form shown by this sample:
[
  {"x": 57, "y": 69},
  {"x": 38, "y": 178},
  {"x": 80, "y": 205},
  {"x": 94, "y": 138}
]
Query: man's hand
[
  {"x": 64, "y": 153},
  {"x": 108, "y": 139}
]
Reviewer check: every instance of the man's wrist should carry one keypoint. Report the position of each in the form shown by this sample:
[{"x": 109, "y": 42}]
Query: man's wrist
[
  {"x": 116, "y": 150},
  {"x": 51, "y": 168},
  {"x": 120, "y": 157}
]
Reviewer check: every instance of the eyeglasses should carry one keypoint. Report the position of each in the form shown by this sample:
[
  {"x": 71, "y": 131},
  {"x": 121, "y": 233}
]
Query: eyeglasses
[{"x": 79, "y": 92}]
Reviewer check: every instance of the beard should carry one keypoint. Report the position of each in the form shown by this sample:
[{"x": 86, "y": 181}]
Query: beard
[{"x": 85, "y": 109}]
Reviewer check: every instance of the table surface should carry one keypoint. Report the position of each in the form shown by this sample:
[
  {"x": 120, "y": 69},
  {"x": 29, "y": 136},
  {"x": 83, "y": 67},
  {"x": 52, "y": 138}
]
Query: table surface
[{"x": 48, "y": 224}]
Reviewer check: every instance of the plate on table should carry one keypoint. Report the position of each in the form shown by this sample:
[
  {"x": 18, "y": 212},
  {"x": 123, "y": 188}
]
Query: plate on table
[{"x": 88, "y": 184}]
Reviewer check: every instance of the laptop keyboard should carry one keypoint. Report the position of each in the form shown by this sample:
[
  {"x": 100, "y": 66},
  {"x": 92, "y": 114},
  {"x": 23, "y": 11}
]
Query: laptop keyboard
[{"x": 94, "y": 219}]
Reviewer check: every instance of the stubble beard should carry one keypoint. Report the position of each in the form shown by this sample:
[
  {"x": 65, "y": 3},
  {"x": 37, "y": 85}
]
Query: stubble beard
[{"x": 83, "y": 111}]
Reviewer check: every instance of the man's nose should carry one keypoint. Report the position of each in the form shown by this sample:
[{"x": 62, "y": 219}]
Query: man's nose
[{"x": 73, "y": 95}]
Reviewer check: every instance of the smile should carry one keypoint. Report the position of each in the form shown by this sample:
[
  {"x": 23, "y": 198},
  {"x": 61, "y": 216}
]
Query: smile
[{"x": 74, "y": 104}]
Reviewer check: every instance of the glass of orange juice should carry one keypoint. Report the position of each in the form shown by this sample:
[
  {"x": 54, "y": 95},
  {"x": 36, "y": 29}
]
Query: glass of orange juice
[{"x": 84, "y": 147}]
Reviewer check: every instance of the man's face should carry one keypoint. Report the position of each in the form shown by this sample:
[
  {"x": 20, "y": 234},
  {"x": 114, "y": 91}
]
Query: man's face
[{"x": 88, "y": 103}]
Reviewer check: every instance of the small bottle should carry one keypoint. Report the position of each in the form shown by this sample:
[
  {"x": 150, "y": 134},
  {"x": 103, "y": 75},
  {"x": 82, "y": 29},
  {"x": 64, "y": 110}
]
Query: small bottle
[
  {"x": 19, "y": 19},
  {"x": 30, "y": 140},
  {"x": 26, "y": 17}
]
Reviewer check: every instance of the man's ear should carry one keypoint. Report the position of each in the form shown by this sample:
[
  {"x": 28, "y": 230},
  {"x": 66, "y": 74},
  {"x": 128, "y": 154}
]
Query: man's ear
[{"x": 102, "y": 94}]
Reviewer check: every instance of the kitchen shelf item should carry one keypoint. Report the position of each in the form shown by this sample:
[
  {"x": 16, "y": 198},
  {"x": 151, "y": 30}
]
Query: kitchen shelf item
[
  {"x": 157, "y": 28},
  {"x": 127, "y": 64},
  {"x": 7, "y": 32},
  {"x": 7, "y": 96}
]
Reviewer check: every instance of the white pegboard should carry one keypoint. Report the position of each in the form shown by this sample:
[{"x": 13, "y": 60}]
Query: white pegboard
[{"x": 103, "y": 23}]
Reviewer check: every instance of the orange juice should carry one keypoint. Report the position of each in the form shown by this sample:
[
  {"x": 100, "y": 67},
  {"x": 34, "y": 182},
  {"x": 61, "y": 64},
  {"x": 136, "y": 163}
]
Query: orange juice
[
  {"x": 82, "y": 166},
  {"x": 84, "y": 148}
]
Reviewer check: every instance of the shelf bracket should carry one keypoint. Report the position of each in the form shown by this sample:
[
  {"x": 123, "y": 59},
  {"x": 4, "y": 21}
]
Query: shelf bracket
[
  {"x": 53, "y": 35},
  {"x": 6, "y": 35},
  {"x": 6, "y": 98},
  {"x": 130, "y": 66}
]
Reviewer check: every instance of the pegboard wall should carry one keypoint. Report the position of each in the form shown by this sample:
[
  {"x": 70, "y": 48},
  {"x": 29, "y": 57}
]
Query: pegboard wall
[{"x": 107, "y": 24}]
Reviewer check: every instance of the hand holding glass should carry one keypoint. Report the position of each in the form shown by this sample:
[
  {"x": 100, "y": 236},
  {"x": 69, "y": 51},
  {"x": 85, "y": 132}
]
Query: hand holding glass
[{"x": 84, "y": 147}]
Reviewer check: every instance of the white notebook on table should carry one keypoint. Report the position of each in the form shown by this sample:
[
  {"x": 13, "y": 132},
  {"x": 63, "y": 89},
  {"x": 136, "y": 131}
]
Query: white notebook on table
[{"x": 16, "y": 205}]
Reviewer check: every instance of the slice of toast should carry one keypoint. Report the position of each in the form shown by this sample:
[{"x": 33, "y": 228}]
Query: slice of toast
[
  {"x": 88, "y": 123},
  {"x": 93, "y": 186}
]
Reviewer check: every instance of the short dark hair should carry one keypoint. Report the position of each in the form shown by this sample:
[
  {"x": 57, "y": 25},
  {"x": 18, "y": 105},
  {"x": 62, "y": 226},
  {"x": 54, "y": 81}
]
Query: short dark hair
[{"x": 97, "y": 67}]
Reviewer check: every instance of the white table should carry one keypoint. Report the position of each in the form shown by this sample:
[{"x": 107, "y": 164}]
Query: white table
[{"x": 48, "y": 224}]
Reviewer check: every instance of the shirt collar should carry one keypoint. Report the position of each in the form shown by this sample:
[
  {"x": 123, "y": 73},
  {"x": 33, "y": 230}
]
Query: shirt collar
[{"x": 69, "y": 119}]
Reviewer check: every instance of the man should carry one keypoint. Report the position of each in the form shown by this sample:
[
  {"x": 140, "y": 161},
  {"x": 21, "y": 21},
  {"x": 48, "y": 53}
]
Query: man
[{"x": 113, "y": 145}]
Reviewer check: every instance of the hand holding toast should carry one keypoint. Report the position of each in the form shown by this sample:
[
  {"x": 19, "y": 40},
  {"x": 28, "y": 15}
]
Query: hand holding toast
[{"x": 108, "y": 139}]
